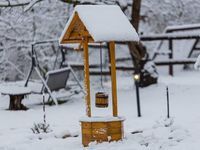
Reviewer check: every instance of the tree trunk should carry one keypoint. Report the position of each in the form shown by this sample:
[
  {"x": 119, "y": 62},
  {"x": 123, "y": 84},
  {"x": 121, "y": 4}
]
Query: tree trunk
[
  {"x": 16, "y": 102},
  {"x": 138, "y": 51},
  {"x": 135, "y": 19},
  {"x": 135, "y": 16}
]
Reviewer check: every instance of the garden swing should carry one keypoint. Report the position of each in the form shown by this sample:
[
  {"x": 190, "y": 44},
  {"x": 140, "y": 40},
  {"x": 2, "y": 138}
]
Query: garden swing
[
  {"x": 53, "y": 80},
  {"x": 101, "y": 97}
]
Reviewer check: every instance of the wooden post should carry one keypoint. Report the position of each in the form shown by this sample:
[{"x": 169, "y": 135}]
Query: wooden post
[
  {"x": 113, "y": 78},
  {"x": 171, "y": 72},
  {"x": 87, "y": 78}
]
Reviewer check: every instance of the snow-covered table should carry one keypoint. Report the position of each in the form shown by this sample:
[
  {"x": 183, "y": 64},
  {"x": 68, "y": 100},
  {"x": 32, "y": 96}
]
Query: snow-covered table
[{"x": 16, "y": 94}]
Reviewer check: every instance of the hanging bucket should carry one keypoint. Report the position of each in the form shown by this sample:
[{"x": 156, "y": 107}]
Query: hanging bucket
[{"x": 101, "y": 100}]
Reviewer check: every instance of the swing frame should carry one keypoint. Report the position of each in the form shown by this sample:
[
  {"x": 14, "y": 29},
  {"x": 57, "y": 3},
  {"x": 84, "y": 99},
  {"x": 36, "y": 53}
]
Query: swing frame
[{"x": 35, "y": 66}]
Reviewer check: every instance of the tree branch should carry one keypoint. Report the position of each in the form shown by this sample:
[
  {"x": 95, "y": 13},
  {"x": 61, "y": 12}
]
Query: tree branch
[
  {"x": 31, "y": 4},
  {"x": 9, "y": 4}
]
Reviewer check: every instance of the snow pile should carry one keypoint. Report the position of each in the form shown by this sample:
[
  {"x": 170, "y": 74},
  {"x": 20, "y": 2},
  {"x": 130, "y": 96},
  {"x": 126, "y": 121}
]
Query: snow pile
[
  {"x": 104, "y": 23},
  {"x": 14, "y": 90},
  {"x": 197, "y": 64},
  {"x": 101, "y": 119}
]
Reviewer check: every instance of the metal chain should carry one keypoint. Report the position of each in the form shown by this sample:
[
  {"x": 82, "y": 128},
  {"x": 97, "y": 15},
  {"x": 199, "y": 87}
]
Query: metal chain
[{"x": 44, "y": 110}]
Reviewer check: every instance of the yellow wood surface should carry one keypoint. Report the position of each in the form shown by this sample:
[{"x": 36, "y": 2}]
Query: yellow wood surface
[
  {"x": 113, "y": 78},
  {"x": 101, "y": 131},
  {"x": 87, "y": 78},
  {"x": 76, "y": 31}
]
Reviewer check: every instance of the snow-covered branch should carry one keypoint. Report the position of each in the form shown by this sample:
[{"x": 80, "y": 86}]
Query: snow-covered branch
[
  {"x": 122, "y": 3},
  {"x": 8, "y": 3},
  {"x": 31, "y": 4},
  {"x": 14, "y": 3}
]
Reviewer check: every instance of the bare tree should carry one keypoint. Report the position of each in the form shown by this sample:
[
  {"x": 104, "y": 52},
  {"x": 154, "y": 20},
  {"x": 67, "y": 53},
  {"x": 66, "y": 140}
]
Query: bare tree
[{"x": 138, "y": 51}]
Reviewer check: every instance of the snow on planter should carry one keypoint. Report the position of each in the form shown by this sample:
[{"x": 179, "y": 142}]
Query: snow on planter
[
  {"x": 101, "y": 119},
  {"x": 103, "y": 22}
]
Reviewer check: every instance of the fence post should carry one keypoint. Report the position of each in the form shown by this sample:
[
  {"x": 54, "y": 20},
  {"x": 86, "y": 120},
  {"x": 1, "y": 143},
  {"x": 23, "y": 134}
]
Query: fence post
[{"x": 171, "y": 72}]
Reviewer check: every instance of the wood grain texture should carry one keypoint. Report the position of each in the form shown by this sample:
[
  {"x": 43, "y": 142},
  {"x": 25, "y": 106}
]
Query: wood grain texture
[
  {"x": 113, "y": 78},
  {"x": 101, "y": 131}
]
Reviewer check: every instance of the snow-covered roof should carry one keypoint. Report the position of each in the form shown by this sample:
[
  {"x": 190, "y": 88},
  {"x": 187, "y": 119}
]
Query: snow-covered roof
[{"x": 104, "y": 23}]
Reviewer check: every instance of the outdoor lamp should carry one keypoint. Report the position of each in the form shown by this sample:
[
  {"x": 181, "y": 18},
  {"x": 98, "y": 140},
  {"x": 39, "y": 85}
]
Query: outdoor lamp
[{"x": 136, "y": 77}]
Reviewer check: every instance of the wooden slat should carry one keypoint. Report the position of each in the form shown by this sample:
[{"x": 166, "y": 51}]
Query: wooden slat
[
  {"x": 86, "y": 125},
  {"x": 87, "y": 78},
  {"x": 113, "y": 78},
  {"x": 159, "y": 37},
  {"x": 97, "y": 125},
  {"x": 114, "y": 131},
  {"x": 115, "y": 124},
  {"x": 175, "y": 62},
  {"x": 116, "y": 137}
]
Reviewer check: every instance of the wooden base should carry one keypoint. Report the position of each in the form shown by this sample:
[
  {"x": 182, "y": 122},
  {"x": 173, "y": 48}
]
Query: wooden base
[{"x": 101, "y": 129}]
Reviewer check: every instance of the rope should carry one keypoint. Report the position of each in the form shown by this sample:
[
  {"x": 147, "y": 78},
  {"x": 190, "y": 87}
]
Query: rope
[{"x": 101, "y": 66}]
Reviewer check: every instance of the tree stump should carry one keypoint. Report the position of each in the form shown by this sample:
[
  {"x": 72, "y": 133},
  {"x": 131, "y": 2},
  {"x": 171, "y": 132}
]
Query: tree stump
[
  {"x": 16, "y": 102},
  {"x": 16, "y": 94}
]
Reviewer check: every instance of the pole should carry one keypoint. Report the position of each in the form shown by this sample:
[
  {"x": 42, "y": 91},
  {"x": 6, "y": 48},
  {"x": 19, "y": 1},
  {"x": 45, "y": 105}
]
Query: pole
[
  {"x": 113, "y": 78},
  {"x": 138, "y": 98},
  {"x": 167, "y": 92},
  {"x": 171, "y": 71},
  {"x": 87, "y": 78}
]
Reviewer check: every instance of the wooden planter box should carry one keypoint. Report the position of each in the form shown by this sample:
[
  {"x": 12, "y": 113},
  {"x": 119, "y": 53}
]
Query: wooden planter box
[{"x": 101, "y": 129}]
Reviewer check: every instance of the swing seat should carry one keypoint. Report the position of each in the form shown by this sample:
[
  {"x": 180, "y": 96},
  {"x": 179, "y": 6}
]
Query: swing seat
[
  {"x": 101, "y": 100},
  {"x": 57, "y": 80}
]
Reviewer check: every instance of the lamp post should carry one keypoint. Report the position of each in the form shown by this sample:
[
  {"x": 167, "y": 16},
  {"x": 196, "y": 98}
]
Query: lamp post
[{"x": 137, "y": 80}]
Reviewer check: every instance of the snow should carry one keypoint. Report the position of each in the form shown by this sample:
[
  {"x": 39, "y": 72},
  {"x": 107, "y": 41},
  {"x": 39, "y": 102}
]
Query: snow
[
  {"x": 101, "y": 119},
  {"x": 58, "y": 71},
  {"x": 197, "y": 63},
  {"x": 104, "y": 23},
  {"x": 152, "y": 131},
  {"x": 30, "y": 5},
  {"x": 182, "y": 35},
  {"x": 186, "y": 26},
  {"x": 14, "y": 90}
]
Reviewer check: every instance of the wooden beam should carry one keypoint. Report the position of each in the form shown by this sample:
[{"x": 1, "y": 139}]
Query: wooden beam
[
  {"x": 113, "y": 78},
  {"x": 160, "y": 37},
  {"x": 175, "y": 62},
  {"x": 87, "y": 77}
]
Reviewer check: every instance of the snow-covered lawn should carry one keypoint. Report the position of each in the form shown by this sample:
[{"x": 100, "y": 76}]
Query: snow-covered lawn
[{"x": 181, "y": 132}]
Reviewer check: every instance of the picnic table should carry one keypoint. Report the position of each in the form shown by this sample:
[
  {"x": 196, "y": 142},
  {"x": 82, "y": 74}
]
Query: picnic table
[{"x": 16, "y": 94}]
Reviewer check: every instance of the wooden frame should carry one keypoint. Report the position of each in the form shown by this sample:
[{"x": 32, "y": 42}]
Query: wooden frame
[{"x": 92, "y": 130}]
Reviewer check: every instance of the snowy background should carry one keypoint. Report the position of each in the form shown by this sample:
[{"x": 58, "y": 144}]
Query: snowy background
[{"x": 46, "y": 20}]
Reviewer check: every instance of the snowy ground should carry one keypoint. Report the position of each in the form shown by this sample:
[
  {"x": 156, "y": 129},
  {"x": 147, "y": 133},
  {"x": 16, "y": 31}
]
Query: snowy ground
[{"x": 181, "y": 132}]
